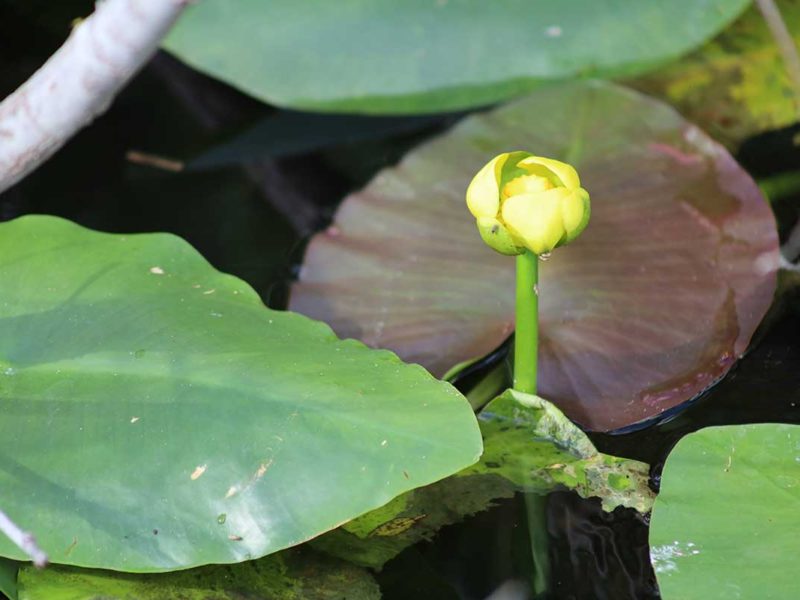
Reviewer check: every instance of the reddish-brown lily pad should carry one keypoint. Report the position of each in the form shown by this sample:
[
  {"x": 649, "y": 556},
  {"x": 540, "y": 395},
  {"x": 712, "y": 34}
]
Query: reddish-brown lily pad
[{"x": 650, "y": 306}]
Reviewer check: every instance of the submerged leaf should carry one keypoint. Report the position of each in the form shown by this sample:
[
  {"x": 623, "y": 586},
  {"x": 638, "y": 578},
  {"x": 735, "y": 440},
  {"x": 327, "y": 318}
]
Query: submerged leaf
[
  {"x": 529, "y": 446},
  {"x": 651, "y": 305},
  {"x": 157, "y": 416},
  {"x": 727, "y": 520},
  {"x": 296, "y": 574},
  {"x": 736, "y": 85},
  {"x": 528, "y": 441},
  {"x": 377, "y": 537},
  {"x": 424, "y": 55}
]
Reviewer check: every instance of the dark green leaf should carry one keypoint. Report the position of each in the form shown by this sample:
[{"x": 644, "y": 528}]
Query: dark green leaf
[{"x": 289, "y": 133}]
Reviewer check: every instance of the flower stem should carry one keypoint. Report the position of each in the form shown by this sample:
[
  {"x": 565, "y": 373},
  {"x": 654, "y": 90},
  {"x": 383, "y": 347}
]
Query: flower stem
[
  {"x": 536, "y": 517},
  {"x": 526, "y": 337}
]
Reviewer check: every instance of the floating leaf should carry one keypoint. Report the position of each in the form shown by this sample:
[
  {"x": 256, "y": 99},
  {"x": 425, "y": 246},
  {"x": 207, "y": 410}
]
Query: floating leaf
[
  {"x": 289, "y": 133},
  {"x": 425, "y": 55},
  {"x": 157, "y": 416},
  {"x": 727, "y": 520},
  {"x": 650, "y": 306},
  {"x": 529, "y": 446},
  {"x": 296, "y": 574},
  {"x": 736, "y": 85}
]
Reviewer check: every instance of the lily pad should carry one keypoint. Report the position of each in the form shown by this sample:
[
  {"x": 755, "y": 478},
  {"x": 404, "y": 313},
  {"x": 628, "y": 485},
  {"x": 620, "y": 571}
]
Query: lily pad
[
  {"x": 727, "y": 520},
  {"x": 648, "y": 308},
  {"x": 529, "y": 446},
  {"x": 297, "y": 574},
  {"x": 157, "y": 416},
  {"x": 426, "y": 55}
]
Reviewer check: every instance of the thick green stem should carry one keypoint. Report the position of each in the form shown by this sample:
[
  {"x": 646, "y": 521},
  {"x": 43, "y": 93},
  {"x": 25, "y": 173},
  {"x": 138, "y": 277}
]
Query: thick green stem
[
  {"x": 526, "y": 337},
  {"x": 536, "y": 517},
  {"x": 526, "y": 354}
]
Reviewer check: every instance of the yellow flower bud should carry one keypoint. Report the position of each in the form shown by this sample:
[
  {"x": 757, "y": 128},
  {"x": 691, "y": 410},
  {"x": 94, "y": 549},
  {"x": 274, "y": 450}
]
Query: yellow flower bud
[{"x": 528, "y": 202}]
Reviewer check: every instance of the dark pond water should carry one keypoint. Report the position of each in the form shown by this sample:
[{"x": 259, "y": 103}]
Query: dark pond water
[
  {"x": 594, "y": 554},
  {"x": 249, "y": 208}
]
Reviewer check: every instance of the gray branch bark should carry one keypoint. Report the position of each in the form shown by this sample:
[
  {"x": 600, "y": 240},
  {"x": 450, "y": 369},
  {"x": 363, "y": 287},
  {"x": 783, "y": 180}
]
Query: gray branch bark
[{"x": 79, "y": 81}]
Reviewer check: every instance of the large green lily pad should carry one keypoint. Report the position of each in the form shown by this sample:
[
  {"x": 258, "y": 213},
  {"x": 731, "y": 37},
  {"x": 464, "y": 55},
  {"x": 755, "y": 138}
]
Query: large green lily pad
[
  {"x": 432, "y": 55},
  {"x": 650, "y": 306},
  {"x": 727, "y": 520},
  {"x": 157, "y": 416}
]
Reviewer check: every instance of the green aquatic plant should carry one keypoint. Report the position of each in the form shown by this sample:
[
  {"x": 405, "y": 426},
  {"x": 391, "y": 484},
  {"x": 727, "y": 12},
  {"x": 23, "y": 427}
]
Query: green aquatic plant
[{"x": 527, "y": 206}]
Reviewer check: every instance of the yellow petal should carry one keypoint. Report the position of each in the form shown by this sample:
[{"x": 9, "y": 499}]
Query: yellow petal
[
  {"x": 496, "y": 236},
  {"x": 526, "y": 184},
  {"x": 575, "y": 211},
  {"x": 564, "y": 172},
  {"x": 536, "y": 219},
  {"x": 483, "y": 193}
]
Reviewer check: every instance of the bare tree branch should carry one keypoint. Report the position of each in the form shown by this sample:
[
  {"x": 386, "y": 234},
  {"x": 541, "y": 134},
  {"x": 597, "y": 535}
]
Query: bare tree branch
[
  {"x": 79, "y": 81},
  {"x": 24, "y": 540}
]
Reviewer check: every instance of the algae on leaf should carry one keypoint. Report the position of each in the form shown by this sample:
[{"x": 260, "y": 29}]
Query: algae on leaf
[
  {"x": 296, "y": 574},
  {"x": 528, "y": 441},
  {"x": 736, "y": 85}
]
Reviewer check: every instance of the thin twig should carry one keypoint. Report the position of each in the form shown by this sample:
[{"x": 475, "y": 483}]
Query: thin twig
[
  {"x": 79, "y": 81},
  {"x": 155, "y": 161},
  {"x": 785, "y": 43},
  {"x": 219, "y": 108},
  {"x": 24, "y": 540}
]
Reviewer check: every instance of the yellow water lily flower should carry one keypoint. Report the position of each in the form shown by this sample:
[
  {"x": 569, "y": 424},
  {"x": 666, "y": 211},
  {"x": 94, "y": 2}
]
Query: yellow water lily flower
[{"x": 528, "y": 202}]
